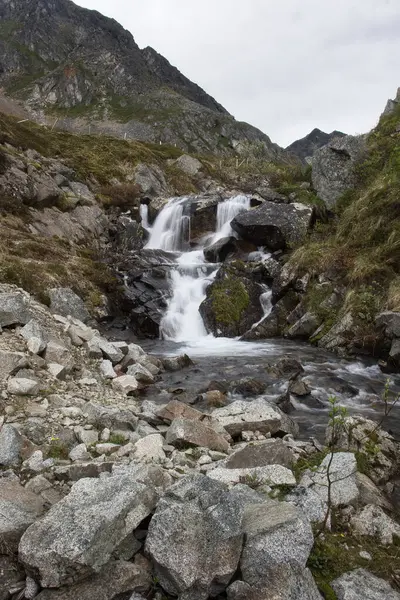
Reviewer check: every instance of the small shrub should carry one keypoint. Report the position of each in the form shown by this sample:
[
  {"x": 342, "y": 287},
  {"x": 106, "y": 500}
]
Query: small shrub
[{"x": 124, "y": 195}]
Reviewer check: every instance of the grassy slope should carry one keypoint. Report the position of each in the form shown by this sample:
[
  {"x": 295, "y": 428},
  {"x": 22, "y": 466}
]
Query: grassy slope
[{"x": 361, "y": 247}]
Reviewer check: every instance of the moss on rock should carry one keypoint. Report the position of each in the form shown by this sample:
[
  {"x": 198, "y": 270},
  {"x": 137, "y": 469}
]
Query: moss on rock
[{"x": 229, "y": 299}]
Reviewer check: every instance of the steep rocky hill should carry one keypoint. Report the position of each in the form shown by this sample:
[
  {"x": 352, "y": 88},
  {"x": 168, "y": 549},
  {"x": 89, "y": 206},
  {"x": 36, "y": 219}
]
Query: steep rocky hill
[
  {"x": 64, "y": 62},
  {"x": 307, "y": 146}
]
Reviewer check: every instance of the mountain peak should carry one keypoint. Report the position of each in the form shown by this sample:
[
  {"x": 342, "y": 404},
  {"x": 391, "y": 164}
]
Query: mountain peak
[{"x": 306, "y": 146}]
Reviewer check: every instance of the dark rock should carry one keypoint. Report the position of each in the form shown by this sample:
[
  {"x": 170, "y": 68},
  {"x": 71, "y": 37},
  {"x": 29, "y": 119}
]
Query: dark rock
[
  {"x": 275, "y": 323},
  {"x": 299, "y": 388},
  {"x": 220, "y": 250},
  {"x": 287, "y": 365},
  {"x": 247, "y": 387},
  {"x": 333, "y": 171},
  {"x": 308, "y": 145},
  {"x": 177, "y": 363},
  {"x": 12, "y": 576},
  {"x": 232, "y": 304},
  {"x": 390, "y": 322},
  {"x": 305, "y": 326},
  {"x": 274, "y": 225},
  {"x": 272, "y": 452}
]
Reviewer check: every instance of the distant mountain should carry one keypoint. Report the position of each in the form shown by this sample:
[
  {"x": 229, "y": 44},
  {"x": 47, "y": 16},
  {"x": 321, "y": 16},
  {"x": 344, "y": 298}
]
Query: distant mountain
[
  {"x": 83, "y": 71},
  {"x": 306, "y": 146}
]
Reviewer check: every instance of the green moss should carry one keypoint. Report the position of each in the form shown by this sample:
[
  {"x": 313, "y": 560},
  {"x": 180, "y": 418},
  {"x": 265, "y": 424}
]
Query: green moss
[
  {"x": 229, "y": 299},
  {"x": 310, "y": 462},
  {"x": 117, "y": 438}
]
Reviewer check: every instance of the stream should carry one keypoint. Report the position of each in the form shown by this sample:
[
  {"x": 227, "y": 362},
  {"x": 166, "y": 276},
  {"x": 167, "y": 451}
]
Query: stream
[{"x": 358, "y": 384}]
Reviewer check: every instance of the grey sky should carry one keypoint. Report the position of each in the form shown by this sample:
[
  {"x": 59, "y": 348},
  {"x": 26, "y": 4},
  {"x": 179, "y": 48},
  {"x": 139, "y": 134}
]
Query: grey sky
[{"x": 285, "y": 66}]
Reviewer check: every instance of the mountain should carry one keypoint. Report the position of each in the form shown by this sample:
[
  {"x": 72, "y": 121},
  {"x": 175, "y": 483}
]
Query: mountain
[
  {"x": 83, "y": 71},
  {"x": 306, "y": 146}
]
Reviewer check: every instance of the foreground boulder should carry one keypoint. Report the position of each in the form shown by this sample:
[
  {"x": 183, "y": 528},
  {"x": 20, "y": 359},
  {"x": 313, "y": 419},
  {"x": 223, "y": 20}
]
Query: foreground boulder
[
  {"x": 64, "y": 302},
  {"x": 290, "y": 583},
  {"x": 362, "y": 585},
  {"x": 80, "y": 533},
  {"x": 185, "y": 432},
  {"x": 14, "y": 309},
  {"x": 275, "y": 226},
  {"x": 195, "y": 538}
]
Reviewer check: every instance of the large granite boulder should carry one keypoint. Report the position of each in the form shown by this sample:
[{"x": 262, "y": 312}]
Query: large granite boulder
[
  {"x": 64, "y": 302},
  {"x": 333, "y": 167},
  {"x": 290, "y": 583},
  {"x": 275, "y": 226},
  {"x": 79, "y": 534},
  {"x": 362, "y": 585},
  {"x": 14, "y": 309},
  {"x": 185, "y": 432},
  {"x": 232, "y": 304}
]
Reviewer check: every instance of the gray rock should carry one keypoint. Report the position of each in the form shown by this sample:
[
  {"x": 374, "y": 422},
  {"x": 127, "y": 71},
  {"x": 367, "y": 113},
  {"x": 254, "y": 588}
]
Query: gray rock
[
  {"x": 275, "y": 226},
  {"x": 79, "y": 534},
  {"x": 111, "y": 352},
  {"x": 276, "y": 534},
  {"x": 57, "y": 352},
  {"x": 12, "y": 576},
  {"x": 195, "y": 538},
  {"x": 11, "y": 362},
  {"x": 305, "y": 326},
  {"x": 342, "y": 470},
  {"x": 79, "y": 453},
  {"x": 35, "y": 336},
  {"x": 57, "y": 371},
  {"x": 184, "y": 432},
  {"x": 116, "y": 580},
  {"x": 14, "y": 309},
  {"x": 333, "y": 170},
  {"x": 87, "y": 436},
  {"x": 394, "y": 354},
  {"x": 10, "y": 446},
  {"x": 176, "y": 363},
  {"x": 272, "y": 475},
  {"x": 141, "y": 373},
  {"x": 64, "y": 302},
  {"x": 390, "y": 322},
  {"x": 125, "y": 384},
  {"x": 286, "y": 583},
  {"x": 82, "y": 193},
  {"x": 362, "y": 585},
  {"x": 22, "y": 386},
  {"x": 19, "y": 508},
  {"x": 150, "y": 448},
  {"x": 188, "y": 164},
  {"x": 373, "y": 522},
  {"x": 107, "y": 370},
  {"x": 151, "y": 180},
  {"x": 258, "y": 415},
  {"x": 271, "y": 452},
  {"x": 220, "y": 250}
]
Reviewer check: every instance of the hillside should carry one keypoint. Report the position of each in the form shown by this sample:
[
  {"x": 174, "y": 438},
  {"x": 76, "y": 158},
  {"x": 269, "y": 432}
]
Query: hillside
[
  {"x": 308, "y": 145},
  {"x": 75, "y": 67}
]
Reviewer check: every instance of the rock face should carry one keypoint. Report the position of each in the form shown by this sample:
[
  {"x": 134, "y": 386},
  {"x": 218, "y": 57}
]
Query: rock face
[
  {"x": 146, "y": 98},
  {"x": 219, "y": 251},
  {"x": 275, "y": 226},
  {"x": 64, "y": 302},
  {"x": 195, "y": 538},
  {"x": 79, "y": 534},
  {"x": 307, "y": 146},
  {"x": 334, "y": 165},
  {"x": 233, "y": 303}
]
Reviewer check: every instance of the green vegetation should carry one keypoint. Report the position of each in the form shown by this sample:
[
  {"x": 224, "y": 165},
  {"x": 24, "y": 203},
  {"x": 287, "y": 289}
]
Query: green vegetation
[
  {"x": 117, "y": 438},
  {"x": 229, "y": 299}
]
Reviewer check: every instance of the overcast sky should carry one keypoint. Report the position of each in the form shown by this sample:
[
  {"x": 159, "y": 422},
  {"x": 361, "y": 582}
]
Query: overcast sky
[{"x": 285, "y": 66}]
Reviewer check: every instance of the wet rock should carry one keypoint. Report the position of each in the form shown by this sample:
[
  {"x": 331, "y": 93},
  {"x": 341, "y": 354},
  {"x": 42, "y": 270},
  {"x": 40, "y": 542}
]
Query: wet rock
[
  {"x": 177, "y": 363},
  {"x": 184, "y": 432},
  {"x": 373, "y": 521},
  {"x": 35, "y": 336},
  {"x": 64, "y": 302},
  {"x": 195, "y": 538},
  {"x": 14, "y": 309},
  {"x": 300, "y": 388},
  {"x": 271, "y": 452},
  {"x": 361, "y": 584},
  {"x": 271, "y": 475},
  {"x": 248, "y": 387},
  {"x": 127, "y": 384},
  {"x": 305, "y": 326},
  {"x": 19, "y": 508},
  {"x": 79, "y": 534},
  {"x": 274, "y": 225},
  {"x": 334, "y": 167},
  {"x": 276, "y": 535},
  {"x": 214, "y": 398},
  {"x": 220, "y": 250},
  {"x": 117, "y": 579},
  {"x": 10, "y": 446},
  {"x": 275, "y": 324},
  {"x": 241, "y": 416}
]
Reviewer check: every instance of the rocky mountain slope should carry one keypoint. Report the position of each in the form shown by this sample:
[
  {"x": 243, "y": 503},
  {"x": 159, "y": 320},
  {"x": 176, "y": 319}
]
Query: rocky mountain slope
[
  {"x": 60, "y": 61},
  {"x": 306, "y": 147}
]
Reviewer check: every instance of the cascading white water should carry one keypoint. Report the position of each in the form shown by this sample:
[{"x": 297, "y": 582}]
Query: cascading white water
[
  {"x": 144, "y": 214},
  {"x": 171, "y": 232}
]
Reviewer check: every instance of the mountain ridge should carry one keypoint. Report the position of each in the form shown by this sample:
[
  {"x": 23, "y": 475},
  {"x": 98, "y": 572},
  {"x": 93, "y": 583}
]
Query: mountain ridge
[{"x": 305, "y": 147}]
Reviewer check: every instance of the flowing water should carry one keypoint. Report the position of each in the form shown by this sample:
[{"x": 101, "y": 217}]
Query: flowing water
[{"x": 358, "y": 384}]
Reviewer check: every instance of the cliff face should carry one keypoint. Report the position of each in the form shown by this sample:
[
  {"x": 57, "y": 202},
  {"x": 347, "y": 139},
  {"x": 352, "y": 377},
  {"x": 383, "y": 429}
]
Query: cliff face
[
  {"x": 60, "y": 61},
  {"x": 308, "y": 145}
]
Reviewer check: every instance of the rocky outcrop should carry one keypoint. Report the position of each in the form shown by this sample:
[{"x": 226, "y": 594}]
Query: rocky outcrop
[
  {"x": 333, "y": 167},
  {"x": 306, "y": 147},
  {"x": 275, "y": 226}
]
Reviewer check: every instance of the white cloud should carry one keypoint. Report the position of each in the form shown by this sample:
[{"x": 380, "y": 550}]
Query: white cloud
[{"x": 285, "y": 67}]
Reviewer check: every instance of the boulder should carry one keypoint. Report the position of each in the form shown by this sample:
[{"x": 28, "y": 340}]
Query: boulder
[
  {"x": 176, "y": 363},
  {"x": 10, "y": 446},
  {"x": 220, "y": 250},
  {"x": 78, "y": 535},
  {"x": 19, "y": 508},
  {"x": 57, "y": 352},
  {"x": 57, "y": 371},
  {"x": 195, "y": 538},
  {"x": 35, "y": 336},
  {"x": 11, "y": 362},
  {"x": 247, "y": 387},
  {"x": 374, "y": 522},
  {"x": 110, "y": 352},
  {"x": 22, "y": 386},
  {"x": 271, "y": 452},
  {"x": 389, "y": 321},
  {"x": 334, "y": 167},
  {"x": 141, "y": 373},
  {"x": 341, "y": 469},
  {"x": 232, "y": 303},
  {"x": 304, "y": 327},
  {"x": 188, "y": 164},
  {"x": 271, "y": 475},
  {"x": 126, "y": 384},
  {"x": 278, "y": 537},
  {"x": 183, "y": 432},
  {"x": 362, "y": 585},
  {"x": 258, "y": 415},
  {"x": 107, "y": 369},
  {"x": 14, "y": 309},
  {"x": 275, "y": 226},
  {"x": 151, "y": 180},
  {"x": 150, "y": 448},
  {"x": 117, "y": 579},
  {"x": 274, "y": 324},
  {"x": 288, "y": 583},
  {"x": 64, "y": 302},
  {"x": 175, "y": 409}
]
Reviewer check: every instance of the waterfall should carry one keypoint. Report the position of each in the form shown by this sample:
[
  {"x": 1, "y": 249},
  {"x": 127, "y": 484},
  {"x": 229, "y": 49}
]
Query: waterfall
[
  {"x": 144, "y": 214},
  {"x": 192, "y": 275}
]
